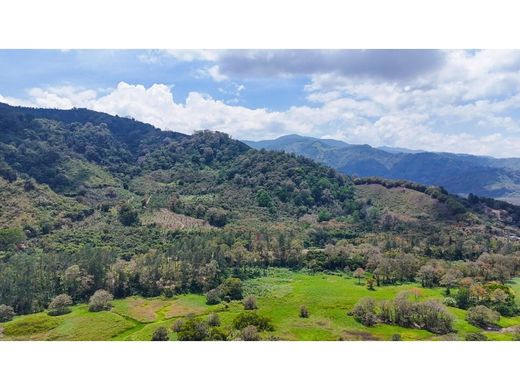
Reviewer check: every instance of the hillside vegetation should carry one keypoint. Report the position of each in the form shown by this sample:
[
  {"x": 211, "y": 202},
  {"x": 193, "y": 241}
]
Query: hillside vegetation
[
  {"x": 98, "y": 207},
  {"x": 458, "y": 173}
]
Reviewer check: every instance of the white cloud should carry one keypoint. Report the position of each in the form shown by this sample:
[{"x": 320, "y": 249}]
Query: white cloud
[
  {"x": 214, "y": 73},
  {"x": 470, "y": 105}
]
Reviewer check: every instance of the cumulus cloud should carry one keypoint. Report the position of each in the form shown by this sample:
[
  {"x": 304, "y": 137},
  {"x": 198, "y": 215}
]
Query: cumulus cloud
[
  {"x": 467, "y": 101},
  {"x": 346, "y": 118}
]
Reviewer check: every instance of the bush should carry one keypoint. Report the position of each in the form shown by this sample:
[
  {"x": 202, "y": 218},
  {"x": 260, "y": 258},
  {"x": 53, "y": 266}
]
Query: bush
[
  {"x": 232, "y": 288},
  {"x": 216, "y": 217},
  {"x": 252, "y": 318},
  {"x": 482, "y": 317},
  {"x": 449, "y": 301},
  {"x": 250, "y": 302},
  {"x": 216, "y": 334},
  {"x": 128, "y": 216},
  {"x": 6, "y": 313},
  {"x": 249, "y": 333},
  {"x": 194, "y": 330},
  {"x": 476, "y": 337},
  {"x": 365, "y": 311},
  {"x": 101, "y": 300},
  {"x": 213, "y": 320},
  {"x": 160, "y": 334},
  {"x": 213, "y": 297},
  {"x": 396, "y": 337},
  {"x": 177, "y": 325},
  {"x": 60, "y": 305},
  {"x": 304, "y": 313}
]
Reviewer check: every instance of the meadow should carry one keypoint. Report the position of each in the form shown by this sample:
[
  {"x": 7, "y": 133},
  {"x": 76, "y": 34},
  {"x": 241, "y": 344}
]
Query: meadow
[{"x": 280, "y": 293}]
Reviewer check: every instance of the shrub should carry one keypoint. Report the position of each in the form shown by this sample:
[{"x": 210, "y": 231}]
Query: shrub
[
  {"x": 396, "y": 337},
  {"x": 250, "y": 302},
  {"x": 365, "y": 311},
  {"x": 128, "y": 216},
  {"x": 213, "y": 297},
  {"x": 433, "y": 316},
  {"x": 177, "y": 325},
  {"x": 6, "y": 313},
  {"x": 160, "y": 334},
  {"x": 249, "y": 333},
  {"x": 232, "y": 288},
  {"x": 475, "y": 337},
  {"x": 482, "y": 316},
  {"x": 194, "y": 330},
  {"x": 304, "y": 313},
  {"x": 217, "y": 217},
  {"x": 324, "y": 215},
  {"x": 213, "y": 320},
  {"x": 60, "y": 305},
  {"x": 101, "y": 300},
  {"x": 264, "y": 199},
  {"x": 216, "y": 334},
  {"x": 449, "y": 301},
  {"x": 252, "y": 318}
]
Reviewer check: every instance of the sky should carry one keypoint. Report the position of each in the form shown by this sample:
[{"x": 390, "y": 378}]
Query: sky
[{"x": 462, "y": 101}]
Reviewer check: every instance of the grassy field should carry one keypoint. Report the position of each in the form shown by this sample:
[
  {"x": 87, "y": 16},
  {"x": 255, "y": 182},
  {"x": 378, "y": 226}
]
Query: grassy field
[{"x": 280, "y": 294}]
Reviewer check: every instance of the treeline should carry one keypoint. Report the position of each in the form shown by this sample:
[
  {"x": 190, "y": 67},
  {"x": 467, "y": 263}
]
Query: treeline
[{"x": 199, "y": 262}]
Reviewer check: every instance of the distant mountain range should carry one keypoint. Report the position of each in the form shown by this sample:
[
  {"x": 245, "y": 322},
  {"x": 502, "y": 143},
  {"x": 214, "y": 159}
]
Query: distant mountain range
[{"x": 459, "y": 173}]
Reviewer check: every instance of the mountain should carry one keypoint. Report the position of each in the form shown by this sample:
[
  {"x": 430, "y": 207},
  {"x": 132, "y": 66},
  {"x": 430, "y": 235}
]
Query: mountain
[
  {"x": 458, "y": 173},
  {"x": 92, "y": 201}
]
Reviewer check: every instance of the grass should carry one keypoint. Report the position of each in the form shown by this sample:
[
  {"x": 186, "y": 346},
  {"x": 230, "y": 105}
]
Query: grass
[{"x": 328, "y": 297}]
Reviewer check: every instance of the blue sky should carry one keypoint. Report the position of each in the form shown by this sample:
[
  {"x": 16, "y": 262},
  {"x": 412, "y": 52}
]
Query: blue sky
[{"x": 465, "y": 101}]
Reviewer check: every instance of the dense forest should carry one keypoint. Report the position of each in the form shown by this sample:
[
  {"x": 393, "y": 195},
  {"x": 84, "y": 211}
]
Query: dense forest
[{"x": 97, "y": 202}]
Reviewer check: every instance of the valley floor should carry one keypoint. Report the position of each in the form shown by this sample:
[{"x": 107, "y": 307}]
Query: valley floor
[{"x": 280, "y": 294}]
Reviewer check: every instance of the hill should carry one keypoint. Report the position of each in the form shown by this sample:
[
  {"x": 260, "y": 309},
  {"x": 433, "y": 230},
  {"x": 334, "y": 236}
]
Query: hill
[
  {"x": 458, "y": 173},
  {"x": 93, "y": 201}
]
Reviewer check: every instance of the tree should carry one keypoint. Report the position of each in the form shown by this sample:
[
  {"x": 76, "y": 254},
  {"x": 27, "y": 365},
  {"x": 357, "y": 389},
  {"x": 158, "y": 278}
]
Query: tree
[
  {"x": 213, "y": 320},
  {"x": 249, "y": 333},
  {"x": 60, "y": 305},
  {"x": 10, "y": 238},
  {"x": 127, "y": 215},
  {"x": 264, "y": 198},
  {"x": 6, "y": 313},
  {"x": 450, "y": 279},
  {"x": 178, "y": 325},
  {"x": 365, "y": 311},
  {"x": 482, "y": 317},
  {"x": 101, "y": 300},
  {"x": 193, "y": 329},
  {"x": 231, "y": 288},
  {"x": 304, "y": 312},
  {"x": 359, "y": 273},
  {"x": 160, "y": 334},
  {"x": 324, "y": 215},
  {"x": 213, "y": 296},
  {"x": 217, "y": 217},
  {"x": 250, "y": 302}
]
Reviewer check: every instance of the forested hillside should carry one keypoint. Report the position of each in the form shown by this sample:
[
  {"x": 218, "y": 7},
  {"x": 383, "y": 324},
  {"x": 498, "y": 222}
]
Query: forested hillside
[
  {"x": 92, "y": 201},
  {"x": 458, "y": 173}
]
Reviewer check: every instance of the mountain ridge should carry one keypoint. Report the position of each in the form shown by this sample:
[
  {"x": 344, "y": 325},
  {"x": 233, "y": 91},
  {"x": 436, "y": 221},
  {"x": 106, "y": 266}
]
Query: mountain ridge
[{"x": 459, "y": 173}]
